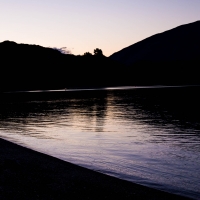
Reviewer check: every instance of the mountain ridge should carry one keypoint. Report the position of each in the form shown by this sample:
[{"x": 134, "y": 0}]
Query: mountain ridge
[
  {"x": 170, "y": 40},
  {"x": 168, "y": 58}
]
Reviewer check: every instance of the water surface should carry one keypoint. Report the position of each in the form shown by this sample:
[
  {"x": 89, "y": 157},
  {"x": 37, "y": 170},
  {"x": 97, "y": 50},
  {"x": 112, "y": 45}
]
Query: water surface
[{"x": 149, "y": 136}]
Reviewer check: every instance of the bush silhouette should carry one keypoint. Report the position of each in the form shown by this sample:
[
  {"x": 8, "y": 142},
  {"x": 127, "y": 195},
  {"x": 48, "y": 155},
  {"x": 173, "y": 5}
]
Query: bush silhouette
[{"x": 87, "y": 54}]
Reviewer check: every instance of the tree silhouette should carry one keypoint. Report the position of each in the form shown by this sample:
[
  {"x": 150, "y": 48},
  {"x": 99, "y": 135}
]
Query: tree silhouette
[{"x": 98, "y": 52}]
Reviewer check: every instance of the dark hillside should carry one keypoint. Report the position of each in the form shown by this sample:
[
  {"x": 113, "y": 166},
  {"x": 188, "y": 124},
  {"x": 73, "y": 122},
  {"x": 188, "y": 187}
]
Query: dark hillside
[
  {"x": 179, "y": 44},
  {"x": 32, "y": 67},
  {"x": 168, "y": 58}
]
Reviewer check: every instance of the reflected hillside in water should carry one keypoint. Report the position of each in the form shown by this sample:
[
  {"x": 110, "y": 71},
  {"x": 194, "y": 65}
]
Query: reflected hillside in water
[
  {"x": 178, "y": 106},
  {"x": 170, "y": 115},
  {"x": 168, "y": 108}
]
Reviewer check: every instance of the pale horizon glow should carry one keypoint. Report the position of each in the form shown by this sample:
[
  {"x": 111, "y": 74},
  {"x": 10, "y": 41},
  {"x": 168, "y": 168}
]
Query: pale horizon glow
[{"x": 83, "y": 25}]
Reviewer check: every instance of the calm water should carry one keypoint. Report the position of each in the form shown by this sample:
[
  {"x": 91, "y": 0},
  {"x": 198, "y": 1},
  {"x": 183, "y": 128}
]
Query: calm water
[{"x": 150, "y": 136}]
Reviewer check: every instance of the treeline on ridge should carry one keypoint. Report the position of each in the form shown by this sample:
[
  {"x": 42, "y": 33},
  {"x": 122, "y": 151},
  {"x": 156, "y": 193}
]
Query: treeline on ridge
[{"x": 32, "y": 67}]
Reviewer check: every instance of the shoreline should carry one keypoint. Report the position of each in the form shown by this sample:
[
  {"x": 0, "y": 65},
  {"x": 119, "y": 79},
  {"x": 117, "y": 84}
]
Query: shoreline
[
  {"x": 28, "y": 174},
  {"x": 69, "y": 89}
]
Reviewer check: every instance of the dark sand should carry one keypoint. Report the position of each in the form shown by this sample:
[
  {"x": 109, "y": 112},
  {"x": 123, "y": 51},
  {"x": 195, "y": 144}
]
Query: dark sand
[{"x": 26, "y": 174}]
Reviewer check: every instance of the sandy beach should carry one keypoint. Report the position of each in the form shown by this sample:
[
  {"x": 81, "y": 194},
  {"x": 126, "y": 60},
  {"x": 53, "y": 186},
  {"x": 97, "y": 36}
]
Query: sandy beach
[{"x": 27, "y": 174}]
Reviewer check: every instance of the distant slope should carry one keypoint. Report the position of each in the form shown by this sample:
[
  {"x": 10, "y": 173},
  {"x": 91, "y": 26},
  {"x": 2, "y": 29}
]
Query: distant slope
[
  {"x": 168, "y": 58},
  {"x": 178, "y": 44}
]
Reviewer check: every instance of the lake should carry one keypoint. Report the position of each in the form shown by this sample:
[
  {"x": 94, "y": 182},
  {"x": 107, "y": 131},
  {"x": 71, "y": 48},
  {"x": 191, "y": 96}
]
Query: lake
[{"x": 147, "y": 135}]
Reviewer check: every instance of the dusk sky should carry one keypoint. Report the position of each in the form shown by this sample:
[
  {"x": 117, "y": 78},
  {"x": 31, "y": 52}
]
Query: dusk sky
[{"x": 83, "y": 25}]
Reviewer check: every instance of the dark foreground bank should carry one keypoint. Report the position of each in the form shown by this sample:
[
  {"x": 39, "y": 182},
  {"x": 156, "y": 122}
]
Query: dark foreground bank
[{"x": 26, "y": 174}]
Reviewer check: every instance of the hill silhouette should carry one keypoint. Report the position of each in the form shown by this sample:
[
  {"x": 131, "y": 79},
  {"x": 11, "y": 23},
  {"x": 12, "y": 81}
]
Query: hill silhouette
[
  {"x": 32, "y": 67},
  {"x": 180, "y": 43},
  {"x": 171, "y": 57},
  {"x": 168, "y": 58}
]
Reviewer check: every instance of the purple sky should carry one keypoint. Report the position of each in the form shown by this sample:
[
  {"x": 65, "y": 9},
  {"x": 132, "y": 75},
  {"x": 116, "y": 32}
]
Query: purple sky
[{"x": 83, "y": 25}]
